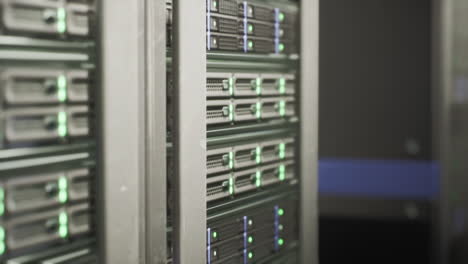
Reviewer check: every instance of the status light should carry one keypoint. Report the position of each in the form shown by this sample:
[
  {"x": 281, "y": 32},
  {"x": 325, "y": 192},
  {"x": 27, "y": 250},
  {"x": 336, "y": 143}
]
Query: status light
[
  {"x": 62, "y": 124},
  {"x": 281, "y": 16},
  {"x": 2, "y": 202},
  {"x": 258, "y": 179},
  {"x": 280, "y": 212},
  {"x": 251, "y": 28},
  {"x": 62, "y": 88},
  {"x": 61, "y": 20},
  {"x": 280, "y": 242}
]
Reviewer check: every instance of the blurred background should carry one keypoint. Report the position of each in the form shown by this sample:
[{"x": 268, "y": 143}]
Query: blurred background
[{"x": 393, "y": 131}]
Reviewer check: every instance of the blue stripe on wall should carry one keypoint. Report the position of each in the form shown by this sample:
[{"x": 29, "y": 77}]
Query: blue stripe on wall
[{"x": 379, "y": 178}]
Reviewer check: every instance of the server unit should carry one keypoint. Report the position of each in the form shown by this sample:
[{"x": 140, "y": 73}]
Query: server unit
[
  {"x": 246, "y": 146},
  {"x": 47, "y": 131}
]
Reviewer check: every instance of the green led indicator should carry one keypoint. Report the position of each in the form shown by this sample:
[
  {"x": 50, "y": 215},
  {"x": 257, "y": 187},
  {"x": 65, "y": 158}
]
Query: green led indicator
[
  {"x": 250, "y": 239},
  {"x": 250, "y": 255},
  {"x": 2, "y": 247},
  {"x": 281, "y": 47},
  {"x": 281, "y": 16},
  {"x": 282, "y": 86},
  {"x": 215, "y": 234},
  {"x": 63, "y": 222},
  {"x": 258, "y": 154},
  {"x": 250, "y": 222},
  {"x": 231, "y": 160},
  {"x": 282, "y": 108},
  {"x": 231, "y": 186},
  {"x": 62, "y": 183},
  {"x": 250, "y": 44},
  {"x": 282, "y": 150},
  {"x": 251, "y": 28},
  {"x": 258, "y": 179},
  {"x": 2, "y": 202},
  {"x": 62, "y": 124},
  {"x": 62, "y": 196},
  {"x": 2, "y": 234},
  {"x": 258, "y": 86},
  {"x": 63, "y": 231},
  {"x": 63, "y": 218},
  {"x": 280, "y": 227},
  {"x": 258, "y": 110},
  {"x": 215, "y": 4},
  {"x": 280, "y": 212},
  {"x": 231, "y": 112},
  {"x": 61, "y": 20},
  {"x": 280, "y": 242},
  {"x": 2, "y": 241},
  {"x": 231, "y": 86},
  {"x": 62, "y": 88},
  {"x": 282, "y": 172}
]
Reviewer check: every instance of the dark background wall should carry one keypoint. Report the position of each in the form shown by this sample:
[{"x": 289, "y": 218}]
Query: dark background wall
[
  {"x": 375, "y": 104},
  {"x": 375, "y": 79}
]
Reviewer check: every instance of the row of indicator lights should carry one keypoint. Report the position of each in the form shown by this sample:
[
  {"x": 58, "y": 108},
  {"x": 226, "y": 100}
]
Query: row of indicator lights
[
  {"x": 279, "y": 241},
  {"x": 256, "y": 110},
  {"x": 62, "y": 97},
  {"x": 62, "y": 186},
  {"x": 280, "y": 227},
  {"x": 250, "y": 239},
  {"x": 281, "y": 15},
  {"x": 257, "y": 180},
  {"x": 61, "y": 20},
  {"x": 62, "y": 128},
  {"x": 250, "y": 28},
  {"x": 62, "y": 88},
  {"x": 63, "y": 225},
  {"x": 229, "y": 160},
  {"x": 256, "y": 85},
  {"x": 248, "y": 223},
  {"x": 214, "y": 235},
  {"x": 2, "y": 240}
]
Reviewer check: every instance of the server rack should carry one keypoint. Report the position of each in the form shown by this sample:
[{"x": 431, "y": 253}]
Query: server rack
[
  {"x": 240, "y": 94},
  {"x": 449, "y": 78},
  {"x": 48, "y": 131},
  {"x": 149, "y": 143}
]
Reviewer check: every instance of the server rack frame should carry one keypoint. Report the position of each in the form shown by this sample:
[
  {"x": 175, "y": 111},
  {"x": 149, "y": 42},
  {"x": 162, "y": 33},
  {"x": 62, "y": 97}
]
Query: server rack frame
[
  {"x": 132, "y": 148},
  {"x": 133, "y": 222},
  {"x": 450, "y": 72},
  {"x": 190, "y": 72}
]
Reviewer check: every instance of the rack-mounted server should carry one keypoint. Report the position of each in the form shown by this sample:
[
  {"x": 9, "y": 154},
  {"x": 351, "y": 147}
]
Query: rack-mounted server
[
  {"x": 251, "y": 235},
  {"x": 252, "y": 121},
  {"x": 47, "y": 130}
]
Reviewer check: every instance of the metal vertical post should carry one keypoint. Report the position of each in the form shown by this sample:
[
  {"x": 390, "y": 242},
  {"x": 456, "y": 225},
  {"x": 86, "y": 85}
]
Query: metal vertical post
[
  {"x": 121, "y": 137},
  {"x": 451, "y": 123},
  {"x": 189, "y": 67},
  {"x": 309, "y": 52},
  {"x": 155, "y": 193},
  {"x": 441, "y": 83}
]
